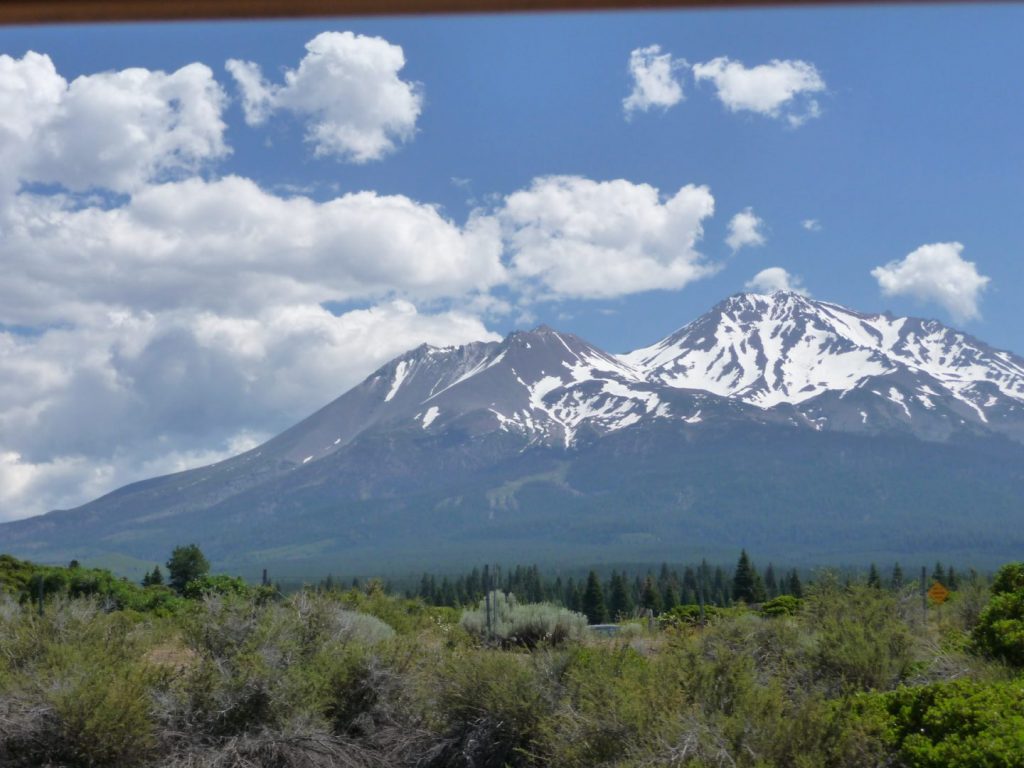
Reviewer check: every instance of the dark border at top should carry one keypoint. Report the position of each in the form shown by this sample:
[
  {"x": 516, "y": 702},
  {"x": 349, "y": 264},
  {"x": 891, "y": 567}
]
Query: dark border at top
[{"x": 67, "y": 11}]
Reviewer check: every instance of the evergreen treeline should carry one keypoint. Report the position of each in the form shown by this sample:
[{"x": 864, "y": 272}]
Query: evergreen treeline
[{"x": 624, "y": 593}]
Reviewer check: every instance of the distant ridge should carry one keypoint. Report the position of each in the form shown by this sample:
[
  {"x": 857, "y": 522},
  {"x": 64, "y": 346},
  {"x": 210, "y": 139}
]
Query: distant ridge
[{"x": 774, "y": 421}]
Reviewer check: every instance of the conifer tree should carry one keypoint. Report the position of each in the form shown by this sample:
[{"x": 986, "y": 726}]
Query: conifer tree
[
  {"x": 746, "y": 583},
  {"x": 951, "y": 579},
  {"x": 690, "y": 580},
  {"x": 670, "y": 597},
  {"x": 793, "y": 585},
  {"x": 874, "y": 580},
  {"x": 896, "y": 582},
  {"x": 593, "y": 601},
  {"x": 939, "y": 573},
  {"x": 771, "y": 588},
  {"x": 619, "y": 604},
  {"x": 650, "y": 598}
]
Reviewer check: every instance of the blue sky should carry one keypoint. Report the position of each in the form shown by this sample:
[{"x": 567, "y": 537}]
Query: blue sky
[{"x": 129, "y": 347}]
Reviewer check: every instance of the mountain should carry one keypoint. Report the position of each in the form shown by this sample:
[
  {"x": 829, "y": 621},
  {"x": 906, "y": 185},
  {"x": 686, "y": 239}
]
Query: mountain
[{"x": 799, "y": 429}]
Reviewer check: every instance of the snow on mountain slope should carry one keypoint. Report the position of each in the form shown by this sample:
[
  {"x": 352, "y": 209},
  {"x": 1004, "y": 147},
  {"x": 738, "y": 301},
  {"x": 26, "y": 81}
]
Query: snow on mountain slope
[
  {"x": 786, "y": 348},
  {"x": 542, "y": 384},
  {"x": 782, "y": 358}
]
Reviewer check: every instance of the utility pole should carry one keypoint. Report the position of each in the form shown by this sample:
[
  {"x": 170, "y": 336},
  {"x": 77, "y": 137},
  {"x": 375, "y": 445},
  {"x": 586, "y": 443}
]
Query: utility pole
[
  {"x": 924, "y": 594},
  {"x": 487, "y": 597},
  {"x": 700, "y": 591}
]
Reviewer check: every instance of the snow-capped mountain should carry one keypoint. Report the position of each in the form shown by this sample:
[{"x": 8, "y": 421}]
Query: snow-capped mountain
[
  {"x": 777, "y": 358},
  {"x": 779, "y": 420},
  {"x": 787, "y": 349}
]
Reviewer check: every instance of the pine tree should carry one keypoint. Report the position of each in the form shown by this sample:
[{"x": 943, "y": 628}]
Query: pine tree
[
  {"x": 572, "y": 595},
  {"x": 951, "y": 579},
  {"x": 577, "y": 599},
  {"x": 690, "y": 580},
  {"x": 719, "y": 593},
  {"x": 650, "y": 597},
  {"x": 619, "y": 604},
  {"x": 593, "y": 601},
  {"x": 793, "y": 585},
  {"x": 874, "y": 580},
  {"x": 426, "y": 587},
  {"x": 186, "y": 563},
  {"x": 670, "y": 598},
  {"x": 939, "y": 573},
  {"x": 746, "y": 583},
  {"x": 771, "y": 588},
  {"x": 896, "y": 582},
  {"x": 558, "y": 591}
]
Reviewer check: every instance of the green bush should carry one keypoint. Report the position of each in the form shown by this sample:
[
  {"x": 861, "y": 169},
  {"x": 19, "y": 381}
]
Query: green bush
[
  {"x": 687, "y": 615},
  {"x": 783, "y": 605},
  {"x": 963, "y": 724},
  {"x": 490, "y": 708},
  {"x": 861, "y": 641},
  {"x": 527, "y": 625},
  {"x": 1000, "y": 629}
]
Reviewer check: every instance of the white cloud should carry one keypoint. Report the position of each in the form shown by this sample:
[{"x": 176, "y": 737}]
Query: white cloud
[
  {"x": 935, "y": 273},
  {"x": 811, "y": 225},
  {"x": 347, "y": 88},
  {"x": 745, "y": 230},
  {"x": 779, "y": 89},
  {"x": 228, "y": 245},
  {"x": 775, "y": 279},
  {"x": 587, "y": 239},
  {"x": 654, "y": 81},
  {"x": 112, "y": 130},
  {"x": 88, "y": 408}
]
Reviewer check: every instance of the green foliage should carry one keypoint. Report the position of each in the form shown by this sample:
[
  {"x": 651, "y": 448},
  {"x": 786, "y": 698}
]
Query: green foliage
[
  {"x": 783, "y": 605},
  {"x": 363, "y": 678},
  {"x": 528, "y": 626},
  {"x": 593, "y": 601},
  {"x": 862, "y": 643},
  {"x": 1000, "y": 629},
  {"x": 687, "y": 615},
  {"x": 187, "y": 563},
  {"x": 220, "y": 584},
  {"x": 746, "y": 582},
  {"x": 962, "y": 724}
]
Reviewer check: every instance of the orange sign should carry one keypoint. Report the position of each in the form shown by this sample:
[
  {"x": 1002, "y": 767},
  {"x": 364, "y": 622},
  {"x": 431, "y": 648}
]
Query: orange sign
[{"x": 938, "y": 593}]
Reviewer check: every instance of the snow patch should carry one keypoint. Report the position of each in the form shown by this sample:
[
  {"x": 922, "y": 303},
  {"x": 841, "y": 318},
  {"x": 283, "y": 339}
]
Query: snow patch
[
  {"x": 430, "y": 415},
  {"x": 401, "y": 371}
]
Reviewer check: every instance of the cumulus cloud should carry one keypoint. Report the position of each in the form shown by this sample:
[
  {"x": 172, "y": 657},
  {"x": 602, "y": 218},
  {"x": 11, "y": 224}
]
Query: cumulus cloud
[
  {"x": 936, "y": 273},
  {"x": 745, "y": 230},
  {"x": 779, "y": 89},
  {"x": 575, "y": 237},
  {"x": 228, "y": 245},
  {"x": 775, "y": 279},
  {"x": 112, "y": 130},
  {"x": 654, "y": 81},
  {"x": 88, "y": 408},
  {"x": 811, "y": 225},
  {"x": 347, "y": 88}
]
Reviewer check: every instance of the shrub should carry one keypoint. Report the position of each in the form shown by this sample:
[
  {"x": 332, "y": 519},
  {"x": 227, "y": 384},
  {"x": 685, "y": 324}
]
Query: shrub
[
  {"x": 1000, "y": 629},
  {"x": 686, "y": 615},
  {"x": 963, "y": 724},
  {"x": 528, "y": 625},
  {"x": 861, "y": 642},
  {"x": 783, "y": 605},
  {"x": 491, "y": 705}
]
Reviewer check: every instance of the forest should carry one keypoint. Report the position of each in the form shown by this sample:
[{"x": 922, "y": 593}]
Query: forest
[{"x": 821, "y": 669}]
